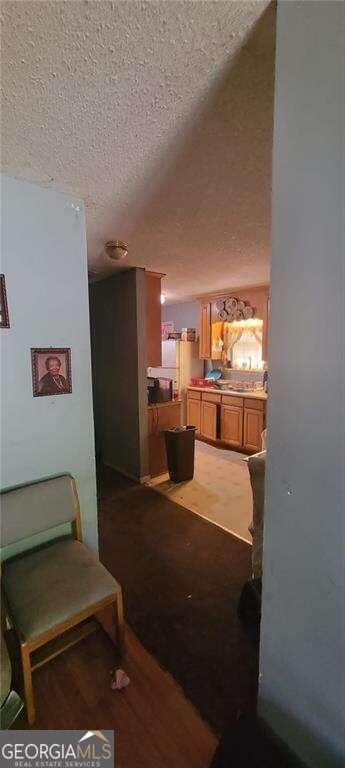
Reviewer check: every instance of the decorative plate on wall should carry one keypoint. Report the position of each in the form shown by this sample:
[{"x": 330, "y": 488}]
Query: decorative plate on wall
[
  {"x": 248, "y": 312},
  {"x": 234, "y": 309},
  {"x": 231, "y": 304}
]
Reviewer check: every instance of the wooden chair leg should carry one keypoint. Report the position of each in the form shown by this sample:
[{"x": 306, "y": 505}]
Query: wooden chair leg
[
  {"x": 27, "y": 681},
  {"x": 112, "y": 621},
  {"x": 119, "y": 620}
]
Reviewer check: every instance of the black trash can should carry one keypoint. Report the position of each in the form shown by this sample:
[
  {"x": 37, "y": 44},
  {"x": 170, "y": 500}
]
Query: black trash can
[{"x": 180, "y": 443}]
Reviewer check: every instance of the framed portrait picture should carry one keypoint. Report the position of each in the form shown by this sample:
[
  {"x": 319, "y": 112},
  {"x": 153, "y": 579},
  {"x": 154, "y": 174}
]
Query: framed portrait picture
[
  {"x": 51, "y": 371},
  {"x": 4, "y": 317}
]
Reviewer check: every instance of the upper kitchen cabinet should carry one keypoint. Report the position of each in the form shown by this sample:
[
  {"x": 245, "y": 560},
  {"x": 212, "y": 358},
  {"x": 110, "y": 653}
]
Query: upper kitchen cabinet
[
  {"x": 226, "y": 318},
  {"x": 205, "y": 330},
  {"x": 153, "y": 319}
]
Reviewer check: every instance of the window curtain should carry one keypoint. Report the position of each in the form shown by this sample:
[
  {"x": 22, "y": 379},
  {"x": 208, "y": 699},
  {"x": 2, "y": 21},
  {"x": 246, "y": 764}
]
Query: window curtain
[
  {"x": 231, "y": 334},
  {"x": 225, "y": 335},
  {"x": 257, "y": 332},
  {"x": 217, "y": 341}
]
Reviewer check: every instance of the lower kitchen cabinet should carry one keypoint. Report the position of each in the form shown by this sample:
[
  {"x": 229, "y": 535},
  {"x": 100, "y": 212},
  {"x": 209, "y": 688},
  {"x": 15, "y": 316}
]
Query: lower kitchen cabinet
[
  {"x": 231, "y": 425},
  {"x": 161, "y": 416},
  {"x": 253, "y": 425},
  {"x": 209, "y": 413},
  {"x": 194, "y": 413},
  {"x": 226, "y": 418}
]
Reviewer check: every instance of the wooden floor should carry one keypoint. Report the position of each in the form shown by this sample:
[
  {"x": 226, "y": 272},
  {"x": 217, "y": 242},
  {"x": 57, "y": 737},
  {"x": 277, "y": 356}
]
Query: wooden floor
[{"x": 154, "y": 724}]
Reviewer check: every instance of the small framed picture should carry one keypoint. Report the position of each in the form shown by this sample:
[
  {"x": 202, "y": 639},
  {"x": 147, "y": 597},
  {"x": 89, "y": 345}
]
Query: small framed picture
[
  {"x": 4, "y": 317},
  {"x": 51, "y": 371}
]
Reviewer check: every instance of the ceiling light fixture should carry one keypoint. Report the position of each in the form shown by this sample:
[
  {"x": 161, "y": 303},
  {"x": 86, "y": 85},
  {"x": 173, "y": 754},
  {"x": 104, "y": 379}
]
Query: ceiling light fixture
[{"x": 116, "y": 250}]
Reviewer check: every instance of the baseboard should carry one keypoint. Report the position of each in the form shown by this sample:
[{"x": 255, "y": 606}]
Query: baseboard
[{"x": 121, "y": 471}]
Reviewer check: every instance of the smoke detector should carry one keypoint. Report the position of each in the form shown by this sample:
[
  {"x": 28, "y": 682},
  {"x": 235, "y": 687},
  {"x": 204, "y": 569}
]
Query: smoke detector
[{"x": 116, "y": 250}]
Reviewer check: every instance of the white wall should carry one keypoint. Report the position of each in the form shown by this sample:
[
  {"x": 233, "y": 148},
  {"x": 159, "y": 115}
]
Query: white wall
[
  {"x": 302, "y": 686},
  {"x": 185, "y": 314},
  {"x": 44, "y": 262}
]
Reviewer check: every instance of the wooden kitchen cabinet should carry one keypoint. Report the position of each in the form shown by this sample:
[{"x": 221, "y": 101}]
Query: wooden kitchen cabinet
[
  {"x": 194, "y": 413},
  {"x": 256, "y": 296},
  {"x": 153, "y": 319},
  {"x": 205, "y": 331},
  {"x": 231, "y": 425},
  {"x": 161, "y": 417},
  {"x": 253, "y": 425},
  {"x": 209, "y": 420}
]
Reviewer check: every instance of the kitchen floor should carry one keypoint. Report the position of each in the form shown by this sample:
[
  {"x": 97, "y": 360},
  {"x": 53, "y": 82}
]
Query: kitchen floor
[{"x": 220, "y": 490}]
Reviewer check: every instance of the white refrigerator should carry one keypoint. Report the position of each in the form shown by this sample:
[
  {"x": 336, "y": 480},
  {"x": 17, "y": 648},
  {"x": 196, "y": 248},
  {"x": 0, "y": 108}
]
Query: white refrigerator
[{"x": 180, "y": 362}]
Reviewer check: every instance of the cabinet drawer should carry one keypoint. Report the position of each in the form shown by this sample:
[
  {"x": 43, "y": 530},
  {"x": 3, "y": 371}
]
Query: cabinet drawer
[
  {"x": 232, "y": 400},
  {"x": 193, "y": 395},
  {"x": 256, "y": 405},
  {"x": 209, "y": 397}
]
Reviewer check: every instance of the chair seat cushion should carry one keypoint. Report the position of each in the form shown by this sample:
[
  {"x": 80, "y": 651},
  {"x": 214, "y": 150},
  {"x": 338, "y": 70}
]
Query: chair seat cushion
[{"x": 47, "y": 586}]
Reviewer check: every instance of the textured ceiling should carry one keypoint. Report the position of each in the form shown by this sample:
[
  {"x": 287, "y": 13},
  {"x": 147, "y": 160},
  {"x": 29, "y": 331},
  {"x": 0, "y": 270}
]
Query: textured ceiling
[{"x": 158, "y": 115}]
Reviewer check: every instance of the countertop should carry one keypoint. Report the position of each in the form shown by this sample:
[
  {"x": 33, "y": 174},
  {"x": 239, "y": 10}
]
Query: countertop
[
  {"x": 258, "y": 394},
  {"x": 162, "y": 405}
]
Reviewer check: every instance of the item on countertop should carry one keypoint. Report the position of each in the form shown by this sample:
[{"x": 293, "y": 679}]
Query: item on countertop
[
  {"x": 196, "y": 382},
  {"x": 120, "y": 680},
  {"x": 175, "y": 335},
  {"x": 159, "y": 390},
  {"x": 167, "y": 327},
  {"x": 214, "y": 374},
  {"x": 188, "y": 334}
]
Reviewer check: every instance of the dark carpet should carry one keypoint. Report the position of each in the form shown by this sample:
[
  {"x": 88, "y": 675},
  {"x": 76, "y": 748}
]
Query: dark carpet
[{"x": 182, "y": 578}]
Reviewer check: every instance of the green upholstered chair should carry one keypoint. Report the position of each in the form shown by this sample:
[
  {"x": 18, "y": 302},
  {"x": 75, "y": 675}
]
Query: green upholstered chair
[{"x": 52, "y": 591}]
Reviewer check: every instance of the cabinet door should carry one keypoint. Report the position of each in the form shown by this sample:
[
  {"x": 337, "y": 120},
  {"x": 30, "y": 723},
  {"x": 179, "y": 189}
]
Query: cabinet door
[
  {"x": 252, "y": 427},
  {"x": 205, "y": 331},
  {"x": 153, "y": 320},
  {"x": 209, "y": 420},
  {"x": 232, "y": 424},
  {"x": 194, "y": 413},
  {"x": 161, "y": 418}
]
